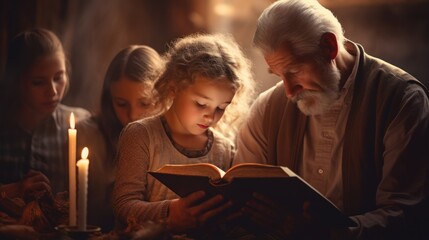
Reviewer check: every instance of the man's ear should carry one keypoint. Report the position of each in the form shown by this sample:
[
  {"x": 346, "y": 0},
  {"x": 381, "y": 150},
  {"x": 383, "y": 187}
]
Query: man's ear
[{"x": 329, "y": 46}]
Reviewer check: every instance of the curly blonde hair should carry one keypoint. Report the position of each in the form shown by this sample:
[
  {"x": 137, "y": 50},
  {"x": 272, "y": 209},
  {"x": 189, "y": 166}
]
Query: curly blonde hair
[{"x": 215, "y": 56}]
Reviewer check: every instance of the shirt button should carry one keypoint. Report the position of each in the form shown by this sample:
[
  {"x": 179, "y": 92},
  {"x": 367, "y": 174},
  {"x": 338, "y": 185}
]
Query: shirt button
[{"x": 320, "y": 171}]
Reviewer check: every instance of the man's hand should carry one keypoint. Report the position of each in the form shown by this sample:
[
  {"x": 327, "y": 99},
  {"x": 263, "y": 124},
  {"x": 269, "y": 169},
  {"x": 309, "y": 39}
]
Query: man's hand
[{"x": 270, "y": 217}]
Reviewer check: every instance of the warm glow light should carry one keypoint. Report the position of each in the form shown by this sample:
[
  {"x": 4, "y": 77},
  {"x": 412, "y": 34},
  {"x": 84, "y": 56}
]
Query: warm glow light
[
  {"x": 82, "y": 165},
  {"x": 223, "y": 9},
  {"x": 72, "y": 171},
  {"x": 72, "y": 122},
  {"x": 85, "y": 153}
]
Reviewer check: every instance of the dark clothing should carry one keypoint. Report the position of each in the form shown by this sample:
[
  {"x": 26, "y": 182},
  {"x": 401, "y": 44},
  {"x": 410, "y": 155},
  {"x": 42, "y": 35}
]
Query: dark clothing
[
  {"x": 45, "y": 149},
  {"x": 384, "y": 194}
]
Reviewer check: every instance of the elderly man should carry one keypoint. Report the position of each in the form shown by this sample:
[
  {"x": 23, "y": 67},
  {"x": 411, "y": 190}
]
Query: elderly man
[{"x": 353, "y": 126}]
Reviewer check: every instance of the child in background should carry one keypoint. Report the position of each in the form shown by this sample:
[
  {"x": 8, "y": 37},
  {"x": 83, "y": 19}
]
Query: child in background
[
  {"x": 126, "y": 97},
  {"x": 33, "y": 122},
  {"x": 205, "y": 77}
]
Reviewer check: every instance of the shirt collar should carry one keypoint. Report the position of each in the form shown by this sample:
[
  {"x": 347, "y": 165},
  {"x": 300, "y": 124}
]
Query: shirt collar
[
  {"x": 346, "y": 93},
  {"x": 52, "y": 122}
]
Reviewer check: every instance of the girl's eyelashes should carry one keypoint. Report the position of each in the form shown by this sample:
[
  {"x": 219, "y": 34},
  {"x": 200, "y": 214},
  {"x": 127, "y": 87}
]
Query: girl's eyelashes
[
  {"x": 41, "y": 81},
  {"x": 59, "y": 78},
  {"x": 120, "y": 103},
  {"x": 145, "y": 103},
  {"x": 223, "y": 106},
  {"x": 218, "y": 109},
  {"x": 37, "y": 81},
  {"x": 201, "y": 105}
]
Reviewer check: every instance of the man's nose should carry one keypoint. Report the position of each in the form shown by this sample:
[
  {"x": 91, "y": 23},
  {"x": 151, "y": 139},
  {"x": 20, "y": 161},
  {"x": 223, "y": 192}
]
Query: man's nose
[{"x": 292, "y": 88}]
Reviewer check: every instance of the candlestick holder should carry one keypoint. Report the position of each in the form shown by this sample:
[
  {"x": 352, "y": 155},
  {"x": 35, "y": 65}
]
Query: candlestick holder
[{"x": 73, "y": 233}]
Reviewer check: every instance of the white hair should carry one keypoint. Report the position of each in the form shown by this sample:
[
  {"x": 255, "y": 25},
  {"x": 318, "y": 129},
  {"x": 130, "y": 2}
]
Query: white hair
[
  {"x": 297, "y": 23},
  {"x": 315, "y": 103}
]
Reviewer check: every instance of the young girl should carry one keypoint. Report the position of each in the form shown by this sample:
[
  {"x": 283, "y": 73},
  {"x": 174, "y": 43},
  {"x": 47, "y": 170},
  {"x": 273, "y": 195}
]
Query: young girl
[
  {"x": 33, "y": 122},
  {"x": 205, "y": 75},
  {"x": 126, "y": 97}
]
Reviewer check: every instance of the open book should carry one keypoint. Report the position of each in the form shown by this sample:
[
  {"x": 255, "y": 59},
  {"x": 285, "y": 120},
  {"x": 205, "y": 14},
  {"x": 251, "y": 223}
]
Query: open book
[{"x": 241, "y": 181}]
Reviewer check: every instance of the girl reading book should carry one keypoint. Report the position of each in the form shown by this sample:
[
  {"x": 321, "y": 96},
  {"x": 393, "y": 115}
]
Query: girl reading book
[{"x": 206, "y": 79}]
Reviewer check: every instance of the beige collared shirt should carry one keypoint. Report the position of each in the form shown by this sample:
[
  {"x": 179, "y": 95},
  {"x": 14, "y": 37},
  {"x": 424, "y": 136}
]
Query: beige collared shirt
[{"x": 323, "y": 142}]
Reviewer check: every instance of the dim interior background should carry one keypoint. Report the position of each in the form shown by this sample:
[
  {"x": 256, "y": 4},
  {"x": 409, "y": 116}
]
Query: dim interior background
[{"x": 93, "y": 31}]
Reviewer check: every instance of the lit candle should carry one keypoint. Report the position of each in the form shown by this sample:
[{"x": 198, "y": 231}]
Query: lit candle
[
  {"x": 72, "y": 171},
  {"x": 82, "y": 166}
]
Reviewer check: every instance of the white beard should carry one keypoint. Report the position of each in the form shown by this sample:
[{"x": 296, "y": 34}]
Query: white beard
[{"x": 315, "y": 103}]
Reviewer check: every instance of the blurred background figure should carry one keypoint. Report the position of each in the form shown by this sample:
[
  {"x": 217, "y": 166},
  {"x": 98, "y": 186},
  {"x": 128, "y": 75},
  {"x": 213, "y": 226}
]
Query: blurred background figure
[
  {"x": 126, "y": 97},
  {"x": 391, "y": 30},
  {"x": 33, "y": 122}
]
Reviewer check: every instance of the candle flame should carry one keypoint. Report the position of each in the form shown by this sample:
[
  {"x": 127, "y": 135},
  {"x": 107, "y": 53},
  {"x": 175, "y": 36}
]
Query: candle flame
[
  {"x": 72, "y": 122},
  {"x": 85, "y": 153}
]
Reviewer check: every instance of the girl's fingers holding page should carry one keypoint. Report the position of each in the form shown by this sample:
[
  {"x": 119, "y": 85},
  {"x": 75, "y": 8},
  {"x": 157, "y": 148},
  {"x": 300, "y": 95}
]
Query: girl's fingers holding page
[{"x": 208, "y": 204}]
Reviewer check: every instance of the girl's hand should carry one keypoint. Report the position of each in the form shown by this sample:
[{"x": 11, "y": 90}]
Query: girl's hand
[
  {"x": 192, "y": 212},
  {"x": 34, "y": 183}
]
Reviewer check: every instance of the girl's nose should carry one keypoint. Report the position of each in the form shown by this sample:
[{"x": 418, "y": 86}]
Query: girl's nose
[
  {"x": 134, "y": 115},
  {"x": 52, "y": 90},
  {"x": 209, "y": 115}
]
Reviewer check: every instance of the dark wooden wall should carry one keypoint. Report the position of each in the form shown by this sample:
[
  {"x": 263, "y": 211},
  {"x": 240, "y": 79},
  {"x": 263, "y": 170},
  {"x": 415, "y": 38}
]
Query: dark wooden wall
[
  {"x": 93, "y": 31},
  {"x": 397, "y": 33}
]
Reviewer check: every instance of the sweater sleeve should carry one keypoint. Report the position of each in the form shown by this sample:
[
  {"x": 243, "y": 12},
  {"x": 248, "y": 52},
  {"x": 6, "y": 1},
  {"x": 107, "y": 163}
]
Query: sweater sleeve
[
  {"x": 251, "y": 140},
  {"x": 130, "y": 191}
]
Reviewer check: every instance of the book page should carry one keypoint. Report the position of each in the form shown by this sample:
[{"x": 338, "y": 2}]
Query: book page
[
  {"x": 257, "y": 170},
  {"x": 193, "y": 169}
]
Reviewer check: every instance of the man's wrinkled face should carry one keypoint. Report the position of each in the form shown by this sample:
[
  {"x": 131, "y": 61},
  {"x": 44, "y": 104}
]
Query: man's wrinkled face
[{"x": 312, "y": 85}]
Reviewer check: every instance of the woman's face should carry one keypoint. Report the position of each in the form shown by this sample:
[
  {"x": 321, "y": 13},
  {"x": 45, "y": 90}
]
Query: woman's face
[
  {"x": 131, "y": 100},
  {"x": 43, "y": 85}
]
